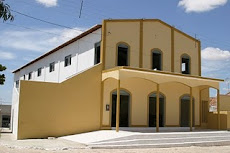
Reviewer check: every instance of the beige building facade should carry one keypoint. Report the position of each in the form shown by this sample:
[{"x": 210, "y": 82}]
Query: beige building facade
[{"x": 149, "y": 75}]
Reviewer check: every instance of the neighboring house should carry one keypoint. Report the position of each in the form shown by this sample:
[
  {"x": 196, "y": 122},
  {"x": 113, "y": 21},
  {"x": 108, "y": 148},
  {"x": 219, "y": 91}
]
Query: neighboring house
[
  {"x": 154, "y": 67},
  {"x": 224, "y": 103},
  {"x": 213, "y": 104},
  {"x": 5, "y": 115}
]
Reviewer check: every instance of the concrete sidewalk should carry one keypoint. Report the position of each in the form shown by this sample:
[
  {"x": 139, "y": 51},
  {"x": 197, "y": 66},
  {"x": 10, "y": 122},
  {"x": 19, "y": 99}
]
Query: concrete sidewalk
[{"x": 145, "y": 138}]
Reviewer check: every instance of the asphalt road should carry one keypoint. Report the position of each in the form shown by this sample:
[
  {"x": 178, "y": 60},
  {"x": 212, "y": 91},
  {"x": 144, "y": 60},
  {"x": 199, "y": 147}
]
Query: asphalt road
[{"x": 162, "y": 140}]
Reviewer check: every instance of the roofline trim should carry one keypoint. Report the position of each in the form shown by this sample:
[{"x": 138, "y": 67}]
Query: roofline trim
[
  {"x": 161, "y": 72},
  {"x": 158, "y": 20},
  {"x": 94, "y": 28}
]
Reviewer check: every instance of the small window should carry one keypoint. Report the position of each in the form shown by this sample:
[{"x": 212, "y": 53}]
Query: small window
[
  {"x": 97, "y": 53},
  {"x": 24, "y": 77},
  {"x": 52, "y": 68},
  {"x": 17, "y": 84},
  {"x": 156, "y": 60},
  {"x": 68, "y": 60},
  {"x": 5, "y": 120},
  {"x": 39, "y": 72},
  {"x": 123, "y": 54},
  {"x": 185, "y": 64},
  {"x": 30, "y": 76}
]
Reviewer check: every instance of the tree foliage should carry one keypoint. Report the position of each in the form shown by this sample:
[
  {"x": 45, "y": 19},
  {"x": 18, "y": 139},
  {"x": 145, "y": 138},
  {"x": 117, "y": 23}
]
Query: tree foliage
[
  {"x": 2, "y": 76},
  {"x": 5, "y": 12}
]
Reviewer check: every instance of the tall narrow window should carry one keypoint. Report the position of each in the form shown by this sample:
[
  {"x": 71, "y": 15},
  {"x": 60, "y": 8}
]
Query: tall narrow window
[
  {"x": 24, "y": 77},
  {"x": 123, "y": 54},
  {"x": 97, "y": 53},
  {"x": 156, "y": 60},
  {"x": 185, "y": 64},
  {"x": 52, "y": 67},
  {"x": 39, "y": 72},
  {"x": 68, "y": 60},
  {"x": 17, "y": 84},
  {"x": 30, "y": 76}
]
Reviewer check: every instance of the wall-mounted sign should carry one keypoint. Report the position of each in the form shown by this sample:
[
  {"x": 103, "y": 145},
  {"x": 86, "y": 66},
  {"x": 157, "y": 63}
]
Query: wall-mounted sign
[{"x": 107, "y": 107}]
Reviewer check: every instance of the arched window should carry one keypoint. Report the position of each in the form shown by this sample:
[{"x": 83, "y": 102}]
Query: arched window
[
  {"x": 185, "y": 64},
  {"x": 122, "y": 55},
  {"x": 156, "y": 59}
]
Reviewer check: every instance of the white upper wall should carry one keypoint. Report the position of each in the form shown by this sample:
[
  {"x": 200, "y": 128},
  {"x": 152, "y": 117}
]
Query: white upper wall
[{"x": 82, "y": 54}]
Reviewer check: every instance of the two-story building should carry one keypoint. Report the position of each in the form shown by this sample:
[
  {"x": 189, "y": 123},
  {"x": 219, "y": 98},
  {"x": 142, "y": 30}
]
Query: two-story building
[{"x": 123, "y": 73}]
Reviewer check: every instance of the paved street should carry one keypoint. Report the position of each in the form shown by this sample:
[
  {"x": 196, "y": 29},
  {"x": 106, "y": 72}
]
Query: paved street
[{"x": 175, "y": 139}]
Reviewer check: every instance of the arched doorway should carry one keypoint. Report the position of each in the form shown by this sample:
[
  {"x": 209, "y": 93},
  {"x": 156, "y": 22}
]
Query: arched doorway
[
  {"x": 152, "y": 110},
  {"x": 124, "y": 108},
  {"x": 185, "y": 111}
]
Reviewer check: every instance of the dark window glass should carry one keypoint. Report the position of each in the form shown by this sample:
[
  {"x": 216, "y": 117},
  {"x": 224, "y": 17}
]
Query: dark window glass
[
  {"x": 185, "y": 65},
  {"x": 97, "y": 53},
  {"x": 68, "y": 60},
  {"x": 156, "y": 60},
  {"x": 123, "y": 53},
  {"x": 52, "y": 67},
  {"x": 24, "y": 77},
  {"x": 17, "y": 84},
  {"x": 30, "y": 76},
  {"x": 5, "y": 121},
  {"x": 39, "y": 71}
]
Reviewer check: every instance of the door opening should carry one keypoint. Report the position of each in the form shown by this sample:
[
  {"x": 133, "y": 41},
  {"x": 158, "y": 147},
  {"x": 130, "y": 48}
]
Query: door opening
[
  {"x": 152, "y": 110},
  {"x": 124, "y": 109}
]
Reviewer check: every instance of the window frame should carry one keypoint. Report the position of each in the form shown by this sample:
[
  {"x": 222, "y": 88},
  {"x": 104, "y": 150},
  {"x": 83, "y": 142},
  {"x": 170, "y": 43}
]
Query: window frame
[
  {"x": 98, "y": 44},
  {"x": 68, "y": 60},
  {"x": 185, "y": 56},
  {"x": 39, "y": 73},
  {"x": 128, "y": 53},
  {"x": 161, "y": 60},
  {"x": 17, "y": 84},
  {"x": 52, "y": 67},
  {"x": 30, "y": 76}
]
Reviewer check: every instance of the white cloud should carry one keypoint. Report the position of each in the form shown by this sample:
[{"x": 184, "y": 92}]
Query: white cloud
[
  {"x": 214, "y": 62},
  {"x": 48, "y": 3},
  {"x": 215, "y": 54},
  {"x": 7, "y": 55},
  {"x": 200, "y": 5},
  {"x": 35, "y": 41}
]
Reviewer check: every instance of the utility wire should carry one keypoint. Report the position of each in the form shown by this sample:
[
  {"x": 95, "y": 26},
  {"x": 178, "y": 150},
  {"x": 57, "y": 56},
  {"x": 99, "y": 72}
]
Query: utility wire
[
  {"x": 81, "y": 8},
  {"x": 33, "y": 29},
  {"x": 48, "y": 22},
  {"x": 28, "y": 28},
  {"x": 41, "y": 20},
  {"x": 65, "y": 13}
]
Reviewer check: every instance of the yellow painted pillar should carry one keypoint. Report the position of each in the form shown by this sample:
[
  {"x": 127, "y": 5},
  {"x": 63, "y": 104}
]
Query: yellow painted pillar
[
  {"x": 157, "y": 109},
  {"x": 218, "y": 108},
  {"x": 118, "y": 107},
  {"x": 191, "y": 109}
]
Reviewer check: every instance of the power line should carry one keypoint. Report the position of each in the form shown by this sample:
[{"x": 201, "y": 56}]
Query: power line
[
  {"x": 63, "y": 26},
  {"x": 48, "y": 22},
  {"x": 66, "y": 13},
  {"x": 32, "y": 29},
  {"x": 28, "y": 28},
  {"x": 81, "y": 8}
]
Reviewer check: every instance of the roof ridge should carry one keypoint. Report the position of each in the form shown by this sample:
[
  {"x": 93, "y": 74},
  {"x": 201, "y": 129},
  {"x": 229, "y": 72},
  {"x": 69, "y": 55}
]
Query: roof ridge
[{"x": 90, "y": 30}]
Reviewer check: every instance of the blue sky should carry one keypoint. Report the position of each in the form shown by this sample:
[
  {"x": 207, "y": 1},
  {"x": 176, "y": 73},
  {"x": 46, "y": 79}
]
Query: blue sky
[{"x": 25, "y": 38}]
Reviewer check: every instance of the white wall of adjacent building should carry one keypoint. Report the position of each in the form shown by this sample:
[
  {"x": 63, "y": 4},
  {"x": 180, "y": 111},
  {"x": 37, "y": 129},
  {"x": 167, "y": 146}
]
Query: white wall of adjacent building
[{"x": 82, "y": 54}]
